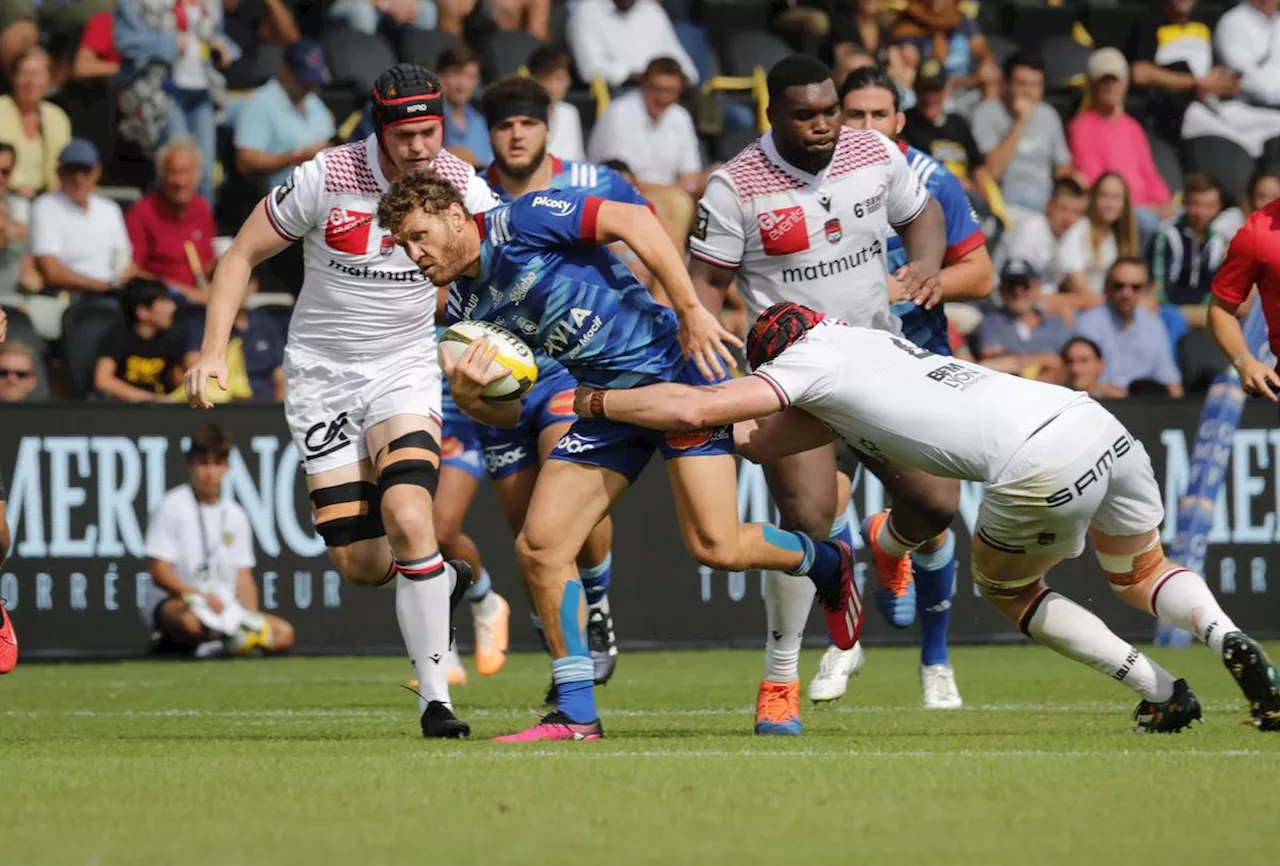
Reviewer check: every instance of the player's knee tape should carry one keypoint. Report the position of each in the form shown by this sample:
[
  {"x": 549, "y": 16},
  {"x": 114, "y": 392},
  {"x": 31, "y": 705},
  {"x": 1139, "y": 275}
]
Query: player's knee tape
[
  {"x": 999, "y": 590},
  {"x": 347, "y": 513},
  {"x": 1131, "y": 569},
  {"x": 414, "y": 458}
]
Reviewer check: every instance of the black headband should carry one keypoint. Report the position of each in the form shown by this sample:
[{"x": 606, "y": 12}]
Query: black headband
[{"x": 535, "y": 108}]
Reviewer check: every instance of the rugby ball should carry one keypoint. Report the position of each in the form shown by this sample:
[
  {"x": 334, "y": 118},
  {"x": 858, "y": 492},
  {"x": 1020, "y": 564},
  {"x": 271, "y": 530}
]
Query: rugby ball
[{"x": 514, "y": 357}]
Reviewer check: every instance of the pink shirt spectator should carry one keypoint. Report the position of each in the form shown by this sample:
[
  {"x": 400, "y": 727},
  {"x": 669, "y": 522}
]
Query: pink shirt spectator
[{"x": 1119, "y": 144}]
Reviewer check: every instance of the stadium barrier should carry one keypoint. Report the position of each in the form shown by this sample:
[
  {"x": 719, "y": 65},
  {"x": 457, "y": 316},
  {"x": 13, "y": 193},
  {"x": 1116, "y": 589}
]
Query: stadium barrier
[{"x": 83, "y": 478}]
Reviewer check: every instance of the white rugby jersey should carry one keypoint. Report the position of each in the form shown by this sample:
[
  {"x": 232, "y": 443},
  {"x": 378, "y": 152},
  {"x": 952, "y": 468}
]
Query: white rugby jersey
[
  {"x": 362, "y": 296},
  {"x": 819, "y": 240},
  {"x": 889, "y": 398}
]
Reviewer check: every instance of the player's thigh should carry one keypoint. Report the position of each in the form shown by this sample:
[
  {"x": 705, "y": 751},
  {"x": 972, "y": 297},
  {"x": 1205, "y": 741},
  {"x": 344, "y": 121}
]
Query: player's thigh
[
  {"x": 1132, "y": 507},
  {"x": 803, "y": 487},
  {"x": 175, "y": 621},
  {"x": 324, "y": 410},
  {"x": 928, "y": 502},
  {"x": 569, "y": 499},
  {"x": 346, "y": 507}
]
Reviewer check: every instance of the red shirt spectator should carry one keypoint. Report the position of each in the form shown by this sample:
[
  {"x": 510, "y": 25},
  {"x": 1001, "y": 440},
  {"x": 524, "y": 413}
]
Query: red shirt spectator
[
  {"x": 162, "y": 224},
  {"x": 99, "y": 37},
  {"x": 1252, "y": 260}
]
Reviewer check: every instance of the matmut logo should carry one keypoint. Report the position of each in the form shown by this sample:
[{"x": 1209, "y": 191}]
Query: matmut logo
[
  {"x": 347, "y": 231},
  {"x": 784, "y": 231}
]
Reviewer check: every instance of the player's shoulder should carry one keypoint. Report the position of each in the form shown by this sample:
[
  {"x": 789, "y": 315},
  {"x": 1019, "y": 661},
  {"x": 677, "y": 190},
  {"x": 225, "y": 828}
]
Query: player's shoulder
[
  {"x": 751, "y": 174},
  {"x": 340, "y": 170},
  {"x": 858, "y": 149},
  {"x": 176, "y": 502},
  {"x": 457, "y": 172}
]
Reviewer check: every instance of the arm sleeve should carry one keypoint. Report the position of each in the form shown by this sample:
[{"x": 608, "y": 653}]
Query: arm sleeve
[
  {"x": 555, "y": 218},
  {"x": 719, "y": 234},
  {"x": 162, "y": 540},
  {"x": 98, "y": 34},
  {"x": 124, "y": 243},
  {"x": 906, "y": 196},
  {"x": 1230, "y": 39},
  {"x": 46, "y": 239},
  {"x": 253, "y": 127},
  {"x": 1239, "y": 271},
  {"x": 242, "y": 548},
  {"x": 964, "y": 235},
  {"x": 297, "y": 205},
  {"x": 800, "y": 374}
]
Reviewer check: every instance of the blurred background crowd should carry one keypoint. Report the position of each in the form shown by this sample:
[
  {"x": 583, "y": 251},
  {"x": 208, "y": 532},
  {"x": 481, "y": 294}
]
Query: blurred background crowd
[{"x": 1111, "y": 149}]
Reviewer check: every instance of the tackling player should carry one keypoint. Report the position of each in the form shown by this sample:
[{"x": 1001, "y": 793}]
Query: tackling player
[
  {"x": 804, "y": 214},
  {"x": 362, "y": 395},
  {"x": 537, "y": 266},
  {"x": 8, "y": 637},
  {"x": 869, "y": 99},
  {"x": 1057, "y": 469}
]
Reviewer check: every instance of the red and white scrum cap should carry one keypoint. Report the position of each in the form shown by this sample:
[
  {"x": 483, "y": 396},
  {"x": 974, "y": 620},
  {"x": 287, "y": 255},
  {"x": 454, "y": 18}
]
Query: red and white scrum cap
[
  {"x": 777, "y": 328},
  {"x": 404, "y": 93}
]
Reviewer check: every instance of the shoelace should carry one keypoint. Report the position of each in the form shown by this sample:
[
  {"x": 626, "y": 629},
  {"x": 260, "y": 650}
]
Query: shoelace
[{"x": 775, "y": 705}]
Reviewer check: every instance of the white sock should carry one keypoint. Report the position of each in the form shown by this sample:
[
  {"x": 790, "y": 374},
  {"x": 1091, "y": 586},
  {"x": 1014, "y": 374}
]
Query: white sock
[
  {"x": 891, "y": 543},
  {"x": 422, "y": 609},
  {"x": 787, "y": 602},
  {"x": 1068, "y": 629},
  {"x": 1182, "y": 598}
]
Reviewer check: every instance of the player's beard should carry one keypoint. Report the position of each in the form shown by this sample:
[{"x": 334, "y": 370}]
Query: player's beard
[
  {"x": 452, "y": 262},
  {"x": 522, "y": 172}
]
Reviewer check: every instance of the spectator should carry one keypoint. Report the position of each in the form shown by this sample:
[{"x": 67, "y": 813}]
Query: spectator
[
  {"x": 141, "y": 361},
  {"x": 1021, "y": 138},
  {"x": 1264, "y": 188},
  {"x": 285, "y": 123},
  {"x": 172, "y": 226},
  {"x": 17, "y": 266},
  {"x": 858, "y": 28},
  {"x": 550, "y": 67},
  {"x": 649, "y": 131},
  {"x": 938, "y": 30},
  {"x": 1016, "y": 337},
  {"x": 531, "y": 16},
  {"x": 466, "y": 135},
  {"x": 944, "y": 135},
  {"x": 1187, "y": 251},
  {"x": 37, "y": 129},
  {"x": 1131, "y": 337},
  {"x": 366, "y": 16},
  {"x": 849, "y": 63},
  {"x": 97, "y": 56},
  {"x": 255, "y": 358},
  {"x": 1040, "y": 241},
  {"x": 17, "y": 372},
  {"x": 171, "y": 86},
  {"x": 1108, "y": 231},
  {"x": 250, "y": 24},
  {"x": 77, "y": 236},
  {"x": 1173, "y": 56},
  {"x": 1245, "y": 40},
  {"x": 1082, "y": 361},
  {"x": 616, "y": 40},
  {"x": 201, "y": 550},
  {"x": 1104, "y": 138},
  {"x": 18, "y": 31}
]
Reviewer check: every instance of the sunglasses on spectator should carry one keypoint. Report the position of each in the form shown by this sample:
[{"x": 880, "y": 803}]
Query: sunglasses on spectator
[
  {"x": 7, "y": 373},
  {"x": 1117, "y": 286}
]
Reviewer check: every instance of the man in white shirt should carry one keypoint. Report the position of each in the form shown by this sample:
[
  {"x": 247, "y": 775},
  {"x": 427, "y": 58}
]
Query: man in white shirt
[
  {"x": 1041, "y": 240},
  {"x": 362, "y": 380},
  {"x": 615, "y": 39},
  {"x": 78, "y": 237},
  {"x": 1057, "y": 468},
  {"x": 1248, "y": 41},
  {"x": 203, "y": 593}
]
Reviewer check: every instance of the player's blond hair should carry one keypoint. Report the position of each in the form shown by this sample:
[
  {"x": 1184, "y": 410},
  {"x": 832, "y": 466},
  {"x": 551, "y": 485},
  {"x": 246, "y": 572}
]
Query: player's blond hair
[{"x": 416, "y": 191}]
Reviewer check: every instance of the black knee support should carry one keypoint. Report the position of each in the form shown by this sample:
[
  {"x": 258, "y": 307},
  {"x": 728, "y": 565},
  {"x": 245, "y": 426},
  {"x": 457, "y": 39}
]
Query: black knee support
[
  {"x": 414, "y": 458},
  {"x": 347, "y": 513}
]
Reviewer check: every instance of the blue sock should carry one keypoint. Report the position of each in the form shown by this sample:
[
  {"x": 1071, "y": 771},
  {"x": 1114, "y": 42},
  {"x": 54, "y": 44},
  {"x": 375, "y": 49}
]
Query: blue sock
[
  {"x": 841, "y": 530},
  {"x": 596, "y": 579},
  {"x": 480, "y": 588},
  {"x": 574, "y": 675},
  {"x": 821, "y": 559},
  {"x": 935, "y": 573}
]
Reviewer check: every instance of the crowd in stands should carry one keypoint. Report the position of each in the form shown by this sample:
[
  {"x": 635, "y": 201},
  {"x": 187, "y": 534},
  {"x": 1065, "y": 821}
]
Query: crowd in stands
[{"x": 1111, "y": 150}]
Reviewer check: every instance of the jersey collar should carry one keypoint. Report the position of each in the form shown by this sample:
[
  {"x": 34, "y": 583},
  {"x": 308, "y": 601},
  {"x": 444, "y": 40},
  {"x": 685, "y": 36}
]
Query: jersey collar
[
  {"x": 375, "y": 166},
  {"x": 771, "y": 153}
]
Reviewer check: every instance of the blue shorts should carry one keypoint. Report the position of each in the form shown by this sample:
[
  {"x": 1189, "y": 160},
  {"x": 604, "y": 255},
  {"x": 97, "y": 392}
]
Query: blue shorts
[
  {"x": 460, "y": 446},
  {"x": 549, "y": 402},
  {"x": 626, "y": 448}
]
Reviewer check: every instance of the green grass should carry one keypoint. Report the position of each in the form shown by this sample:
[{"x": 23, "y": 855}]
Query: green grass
[{"x": 318, "y": 761}]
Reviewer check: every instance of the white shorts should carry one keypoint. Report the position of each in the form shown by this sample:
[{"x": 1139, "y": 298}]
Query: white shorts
[
  {"x": 1053, "y": 490},
  {"x": 330, "y": 405}
]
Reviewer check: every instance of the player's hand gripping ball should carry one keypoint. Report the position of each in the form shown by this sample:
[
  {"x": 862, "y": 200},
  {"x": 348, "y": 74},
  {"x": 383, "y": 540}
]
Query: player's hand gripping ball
[{"x": 513, "y": 370}]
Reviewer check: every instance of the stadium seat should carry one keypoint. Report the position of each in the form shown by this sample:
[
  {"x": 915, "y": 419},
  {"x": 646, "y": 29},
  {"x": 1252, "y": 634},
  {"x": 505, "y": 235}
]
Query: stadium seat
[
  {"x": 1224, "y": 159},
  {"x": 1030, "y": 25},
  {"x": 558, "y": 30},
  {"x": 1270, "y": 159},
  {"x": 753, "y": 48},
  {"x": 357, "y": 59},
  {"x": 1110, "y": 25},
  {"x": 730, "y": 142},
  {"x": 1002, "y": 48},
  {"x": 507, "y": 51},
  {"x": 1065, "y": 62},
  {"x": 1200, "y": 360},
  {"x": 83, "y": 326},
  {"x": 1168, "y": 163},
  {"x": 422, "y": 46}
]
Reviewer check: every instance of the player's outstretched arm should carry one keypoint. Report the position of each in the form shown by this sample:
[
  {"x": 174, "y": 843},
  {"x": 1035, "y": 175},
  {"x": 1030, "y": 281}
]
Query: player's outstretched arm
[
  {"x": 701, "y": 334},
  {"x": 676, "y": 408},
  {"x": 1255, "y": 377},
  {"x": 470, "y": 375},
  {"x": 256, "y": 242}
]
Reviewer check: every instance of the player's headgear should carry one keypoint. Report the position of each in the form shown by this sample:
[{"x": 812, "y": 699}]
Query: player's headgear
[
  {"x": 515, "y": 96},
  {"x": 404, "y": 93},
  {"x": 777, "y": 328}
]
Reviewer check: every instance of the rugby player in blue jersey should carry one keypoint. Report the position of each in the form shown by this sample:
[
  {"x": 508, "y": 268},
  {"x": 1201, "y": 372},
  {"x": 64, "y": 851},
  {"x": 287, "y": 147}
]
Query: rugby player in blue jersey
[
  {"x": 869, "y": 99},
  {"x": 538, "y": 266}
]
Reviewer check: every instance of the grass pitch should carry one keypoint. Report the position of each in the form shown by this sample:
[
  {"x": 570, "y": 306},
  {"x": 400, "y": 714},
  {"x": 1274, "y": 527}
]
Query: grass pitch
[{"x": 318, "y": 761}]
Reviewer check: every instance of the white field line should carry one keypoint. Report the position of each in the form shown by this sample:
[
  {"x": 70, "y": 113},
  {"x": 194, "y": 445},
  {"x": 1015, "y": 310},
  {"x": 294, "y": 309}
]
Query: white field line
[{"x": 592, "y": 751}]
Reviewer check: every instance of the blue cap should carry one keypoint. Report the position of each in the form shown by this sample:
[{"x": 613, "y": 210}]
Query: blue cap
[
  {"x": 79, "y": 152},
  {"x": 305, "y": 60}
]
